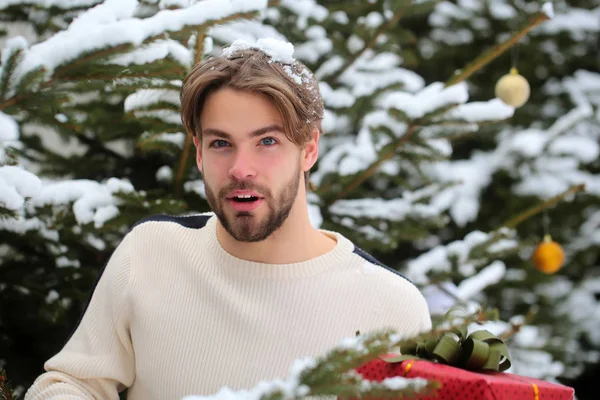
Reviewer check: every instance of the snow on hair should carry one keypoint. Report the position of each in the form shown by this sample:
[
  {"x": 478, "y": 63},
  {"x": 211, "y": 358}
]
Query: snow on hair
[{"x": 288, "y": 84}]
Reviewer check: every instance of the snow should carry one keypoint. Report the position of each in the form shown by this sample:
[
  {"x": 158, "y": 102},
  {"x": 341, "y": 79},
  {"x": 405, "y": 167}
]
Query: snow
[
  {"x": 373, "y": 20},
  {"x": 305, "y": 10},
  {"x": 429, "y": 99},
  {"x": 249, "y": 31},
  {"x": 63, "y": 262},
  {"x": 389, "y": 210},
  {"x": 64, "y": 4},
  {"x": 440, "y": 297},
  {"x": 290, "y": 387},
  {"x": 548, "y": 9},
  {"x": 472, "y": 286},
  {"x": 9, "y": 197},
  {"x": 196, "y": 186},
  {"x": 502, "y": 10},
  {"x": 105, "y": 13},
  {"x": 16, "y": 184},
  {"x": 164, "y": 174},
  {"x": 364, "y": 82},
  {"x": 340, "y": 17},
  {"x": 177, "y": 138},
  {"x": 541, "y": 159},
  {"x": 338, "y": 98},
  {"x": 278, "y": 50},
  {"x": 583, "y": 149},
  {"x": 147, "y": 97},
  {"x": 168, "y": 116},
  {"x": 318, "y": 46},
  {"x": 11, "y": 46},
  {"x": 566, "y": 121},
  {"x": 92, "y": 201},
  {"x": 154, "y": 51},
  {"x": 355, "y": 43},
  {"x": 163, "y": 4},
  {"x": 438, "y": 258},
  {"x": 349, "y": 157},
  {"x": 574, "y": 21},
  {"x": 296, "y": 78},
  {"x": 112, "y": 24},
  {"x": 480, "y": 111},
  {"x": 9, "y": 129},
  {"x": 471, "y": 177}
]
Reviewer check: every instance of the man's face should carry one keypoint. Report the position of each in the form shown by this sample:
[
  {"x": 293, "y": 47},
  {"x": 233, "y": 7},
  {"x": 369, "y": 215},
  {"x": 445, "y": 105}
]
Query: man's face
[{"x": 251, "y": 170}]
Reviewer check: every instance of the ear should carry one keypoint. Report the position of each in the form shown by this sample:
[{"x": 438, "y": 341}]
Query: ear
[
  {"x": 198, "y": 145},
  {"x": 310, "y": 151}
]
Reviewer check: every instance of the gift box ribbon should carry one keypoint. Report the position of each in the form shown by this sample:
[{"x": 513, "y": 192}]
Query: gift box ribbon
[{"x": 479, "y": 351}]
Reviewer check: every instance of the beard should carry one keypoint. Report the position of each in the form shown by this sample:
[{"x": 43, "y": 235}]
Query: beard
[{"x": 246, "y": 226}]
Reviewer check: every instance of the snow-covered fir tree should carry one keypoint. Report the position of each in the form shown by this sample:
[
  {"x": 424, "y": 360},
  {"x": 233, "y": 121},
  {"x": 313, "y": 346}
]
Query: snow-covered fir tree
[{"x": 420, "y": 165}]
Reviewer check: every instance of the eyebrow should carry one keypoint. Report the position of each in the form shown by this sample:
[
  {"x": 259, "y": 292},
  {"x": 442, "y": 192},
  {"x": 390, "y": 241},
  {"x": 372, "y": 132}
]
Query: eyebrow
[{"x": 253, "y": 134}]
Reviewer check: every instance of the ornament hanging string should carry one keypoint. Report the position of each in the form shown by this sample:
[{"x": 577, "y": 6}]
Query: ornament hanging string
[
  {"x": 514, "y": 55},
  {"x": 546, "y": 222}
]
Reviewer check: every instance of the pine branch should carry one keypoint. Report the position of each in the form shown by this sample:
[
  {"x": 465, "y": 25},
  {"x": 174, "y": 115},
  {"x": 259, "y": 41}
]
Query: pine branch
[
  {"x": 513, "y": 222},
  {"x": 516, "y": 327},
  {"x": 380, "y": 31},
  {"x": 494, "y": 52},
  {"x": 530, "y": 212},
  {"x": 67, "y": 79},
  {"x": 359, "y": 179},
  {"x": 183, "y": 161},
  {"x": 59, "y": 72},
  {"x": 6, "y": 392},
  {"x": 7, "y": 70}
]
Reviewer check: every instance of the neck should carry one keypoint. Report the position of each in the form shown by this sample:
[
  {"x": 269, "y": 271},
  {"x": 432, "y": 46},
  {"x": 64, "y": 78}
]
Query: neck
[{"x": 295, "y": 241}]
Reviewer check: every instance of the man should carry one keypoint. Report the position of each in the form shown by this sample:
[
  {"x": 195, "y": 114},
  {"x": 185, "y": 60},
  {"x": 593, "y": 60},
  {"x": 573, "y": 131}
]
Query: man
[{"x": 188, "y": 305}]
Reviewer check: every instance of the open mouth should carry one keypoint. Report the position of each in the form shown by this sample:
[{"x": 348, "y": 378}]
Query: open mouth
[
  {"x": 245, "y": 202},
  {"x": 244, "y": 199}
]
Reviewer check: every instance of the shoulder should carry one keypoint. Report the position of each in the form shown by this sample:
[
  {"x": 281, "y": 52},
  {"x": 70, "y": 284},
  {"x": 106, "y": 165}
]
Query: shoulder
[
  {"x": 194, "y": 222},
  {"x": 378, "y": 265},
  {"x": 399, "y": 298}
]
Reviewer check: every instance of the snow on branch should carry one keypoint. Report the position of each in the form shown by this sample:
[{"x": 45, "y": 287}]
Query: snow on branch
[
  {"x": 481, "y": 111},
  {"x": 374, "y": 71},
  {"x": 9, "y": 129},
  {"x": 16, "y": 184},
  {"x": 145, "y": 98},
  {"x": 154, "y": 51},
  {"x": 112, "y": 24},
  {"x": 305, "y": 9},
  {"x": 92, "y": 201},
  {"x": 440, "y": 260},
  {"x": 63, "y": 4},
  {"x": 306, "y": 376},
  {"x": 388, "y": 210},
  {"x": 427, "y": 100}
]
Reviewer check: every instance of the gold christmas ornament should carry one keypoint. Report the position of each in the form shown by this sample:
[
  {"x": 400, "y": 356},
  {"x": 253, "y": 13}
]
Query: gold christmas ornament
[
  {"x": 548, "y": 256},
  {"x": 513, "y": 89}
]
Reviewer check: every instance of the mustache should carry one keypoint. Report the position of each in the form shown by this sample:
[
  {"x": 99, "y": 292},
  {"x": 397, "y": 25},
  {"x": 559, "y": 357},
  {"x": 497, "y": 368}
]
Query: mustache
[{"x": 245, "y": 185}]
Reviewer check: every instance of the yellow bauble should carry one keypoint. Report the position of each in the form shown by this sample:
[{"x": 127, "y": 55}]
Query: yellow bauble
[
  {"x": 548, "y": 257},
  {"x": 513, "y": 89}
]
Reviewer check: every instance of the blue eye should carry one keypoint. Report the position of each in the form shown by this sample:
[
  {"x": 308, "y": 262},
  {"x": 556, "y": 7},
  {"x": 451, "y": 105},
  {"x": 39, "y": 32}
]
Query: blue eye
[
  {"x": 219, "y": 143},
  {"x": 269, "y": 141}
]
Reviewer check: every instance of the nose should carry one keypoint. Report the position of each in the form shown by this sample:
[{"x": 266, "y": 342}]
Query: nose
[{"x": 243, "y": 166}]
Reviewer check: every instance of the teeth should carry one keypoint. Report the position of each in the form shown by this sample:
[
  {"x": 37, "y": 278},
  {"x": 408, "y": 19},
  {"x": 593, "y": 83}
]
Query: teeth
[{"x": 245, "y": 196}]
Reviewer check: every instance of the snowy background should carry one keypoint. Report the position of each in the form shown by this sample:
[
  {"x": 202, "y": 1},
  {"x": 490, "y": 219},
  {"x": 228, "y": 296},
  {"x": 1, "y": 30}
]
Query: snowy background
[{"x": 75, "y": 172}]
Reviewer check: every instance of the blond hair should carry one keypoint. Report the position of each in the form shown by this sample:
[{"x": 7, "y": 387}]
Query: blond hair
[{"x": 292, "y": 89}]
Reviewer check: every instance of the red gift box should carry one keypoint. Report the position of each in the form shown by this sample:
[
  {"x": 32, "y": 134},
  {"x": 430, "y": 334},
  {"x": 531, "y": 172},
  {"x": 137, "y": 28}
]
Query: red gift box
[{"x": 461, "y": 384}]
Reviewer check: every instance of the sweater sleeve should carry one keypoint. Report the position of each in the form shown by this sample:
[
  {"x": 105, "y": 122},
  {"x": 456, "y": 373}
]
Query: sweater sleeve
[{"x": 98, "y": 360}]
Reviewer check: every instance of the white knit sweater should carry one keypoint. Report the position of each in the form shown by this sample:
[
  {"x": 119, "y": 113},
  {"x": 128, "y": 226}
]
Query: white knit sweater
[{"x": 174, "y": 314}]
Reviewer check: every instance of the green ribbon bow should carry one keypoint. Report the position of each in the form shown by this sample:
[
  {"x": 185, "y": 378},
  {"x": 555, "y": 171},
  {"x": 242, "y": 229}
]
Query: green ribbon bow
[{"x": 480, "y": 351}]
